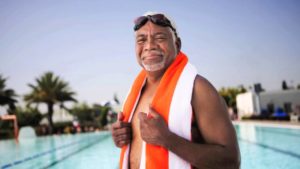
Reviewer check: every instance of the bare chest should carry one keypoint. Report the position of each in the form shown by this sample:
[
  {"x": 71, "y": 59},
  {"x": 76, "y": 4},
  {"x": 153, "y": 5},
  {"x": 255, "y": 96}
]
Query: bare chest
[{"x": 136, "y": 143}]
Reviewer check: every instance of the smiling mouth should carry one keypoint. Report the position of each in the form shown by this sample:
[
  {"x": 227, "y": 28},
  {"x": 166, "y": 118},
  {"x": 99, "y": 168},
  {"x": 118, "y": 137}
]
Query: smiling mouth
[{"x": 152, "y": 57}]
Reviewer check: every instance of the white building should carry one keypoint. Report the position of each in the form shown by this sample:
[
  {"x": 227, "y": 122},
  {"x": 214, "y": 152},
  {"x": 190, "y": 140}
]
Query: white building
[
  {"x": 246, "y": 104},
  {"x": 253, "y": 104}
]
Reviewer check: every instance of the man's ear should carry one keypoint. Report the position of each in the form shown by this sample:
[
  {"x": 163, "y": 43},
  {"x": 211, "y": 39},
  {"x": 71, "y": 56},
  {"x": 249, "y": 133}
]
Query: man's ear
[{"x": 178, "y": 44}]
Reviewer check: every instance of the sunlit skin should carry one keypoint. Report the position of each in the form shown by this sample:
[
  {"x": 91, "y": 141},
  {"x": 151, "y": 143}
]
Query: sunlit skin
[{"x": 214, "y": 142}]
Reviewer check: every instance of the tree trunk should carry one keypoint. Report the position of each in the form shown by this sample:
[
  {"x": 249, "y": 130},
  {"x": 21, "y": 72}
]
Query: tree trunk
[{"x": 50, "y": 113}]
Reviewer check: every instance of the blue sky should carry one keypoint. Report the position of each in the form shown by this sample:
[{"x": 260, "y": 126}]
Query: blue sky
[{"x": 90, "y": 44}]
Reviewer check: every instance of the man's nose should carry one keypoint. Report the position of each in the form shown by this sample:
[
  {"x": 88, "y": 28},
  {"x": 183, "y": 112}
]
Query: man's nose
[{"x": 150, "y": 44}]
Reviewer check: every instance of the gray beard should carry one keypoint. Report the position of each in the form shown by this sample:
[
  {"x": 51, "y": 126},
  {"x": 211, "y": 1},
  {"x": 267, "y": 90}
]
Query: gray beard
[{"x": 154, "y": 67}]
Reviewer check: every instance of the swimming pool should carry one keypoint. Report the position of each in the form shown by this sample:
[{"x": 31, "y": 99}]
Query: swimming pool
[
  {"x": 80, "y": 151},
  {"x": 262, "y": 147},
  {"x": 268, "y": 146}
]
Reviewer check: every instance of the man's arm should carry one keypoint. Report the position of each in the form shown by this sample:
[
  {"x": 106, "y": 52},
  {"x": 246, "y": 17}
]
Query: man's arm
[{"x": 220, "y": 149}]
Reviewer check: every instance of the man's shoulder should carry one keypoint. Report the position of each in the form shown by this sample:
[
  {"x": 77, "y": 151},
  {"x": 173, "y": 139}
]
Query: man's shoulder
[
  {"x": 204, "y": 93},
  {"x": 206, "y": 100},
  {"x": 201, "y": 84}
]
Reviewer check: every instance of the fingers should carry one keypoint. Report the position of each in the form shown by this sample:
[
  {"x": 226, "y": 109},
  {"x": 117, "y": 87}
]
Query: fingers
[
  {"x": 142, "y": 116},
  {"x": 120, "y": 116},
  {"x": 122, "y": 140},
  {"x": 123, "y": 137},
  {"x": 121, "y": 133},
  {"x": 120, "y": 124},
  {"x": 153, "y": 112},
  {"x": 122, "y": 143}
]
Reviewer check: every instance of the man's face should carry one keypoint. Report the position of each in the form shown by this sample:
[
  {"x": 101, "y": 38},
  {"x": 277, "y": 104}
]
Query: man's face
[{"x": 155, "y": 47}]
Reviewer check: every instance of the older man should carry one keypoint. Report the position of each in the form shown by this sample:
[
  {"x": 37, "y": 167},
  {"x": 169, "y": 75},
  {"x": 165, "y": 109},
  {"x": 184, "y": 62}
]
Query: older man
[{"x": 172, "y": 117}]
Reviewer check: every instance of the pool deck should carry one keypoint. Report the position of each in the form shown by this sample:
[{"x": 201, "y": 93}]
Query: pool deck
[{"x": 268, "y": 123}]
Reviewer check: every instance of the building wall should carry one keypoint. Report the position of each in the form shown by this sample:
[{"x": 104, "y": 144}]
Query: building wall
[
  {"x": 279, "y": 98},
  {"x": 245, "y": 104}
]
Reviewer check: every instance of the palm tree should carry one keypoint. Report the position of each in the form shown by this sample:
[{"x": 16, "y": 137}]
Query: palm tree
[
  {"x": 50, "y": 89},
  {"x": 7, "y": 96}
]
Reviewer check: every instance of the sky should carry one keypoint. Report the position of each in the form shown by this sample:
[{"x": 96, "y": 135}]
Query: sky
[{"x": 90, "y": 44}]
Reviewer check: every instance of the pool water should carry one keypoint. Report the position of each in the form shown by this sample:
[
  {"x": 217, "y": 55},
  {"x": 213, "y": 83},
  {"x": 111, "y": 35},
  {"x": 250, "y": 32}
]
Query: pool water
[
  {"x": 261, "y": 148},
  {"x": 80, "y": 151},
  {"x": 268, "y": 147}
]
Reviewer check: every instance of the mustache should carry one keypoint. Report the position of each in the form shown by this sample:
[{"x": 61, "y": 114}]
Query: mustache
[{"x": 152, "y": 52}]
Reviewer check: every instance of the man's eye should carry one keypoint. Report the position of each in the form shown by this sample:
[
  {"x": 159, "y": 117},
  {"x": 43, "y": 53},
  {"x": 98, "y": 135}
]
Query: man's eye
[
  {"x": 160, "y": 38},
  {"x": 141, "y": 40}
]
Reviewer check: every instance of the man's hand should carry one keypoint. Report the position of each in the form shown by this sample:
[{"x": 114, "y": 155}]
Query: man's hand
[
  {"x": 153, "y": 127},
  {"x": 121, "y": 132}
]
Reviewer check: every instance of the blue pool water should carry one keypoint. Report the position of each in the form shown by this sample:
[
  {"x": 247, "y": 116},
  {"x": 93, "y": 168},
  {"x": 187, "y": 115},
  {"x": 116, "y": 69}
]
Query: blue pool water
[
  {"x": 268, "y": 147},
  {"x": 261, "y": 148},
  {"x": 80, "y": 151}
]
